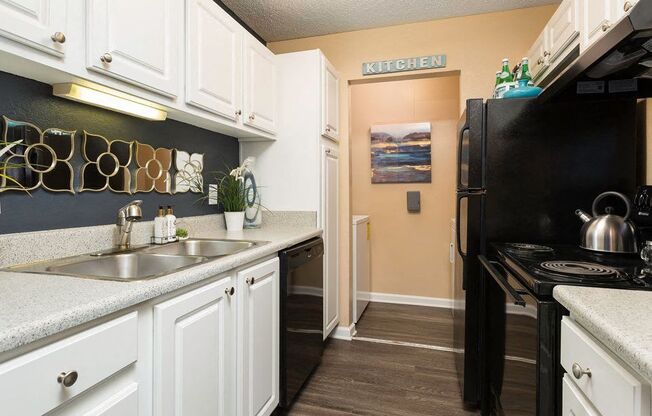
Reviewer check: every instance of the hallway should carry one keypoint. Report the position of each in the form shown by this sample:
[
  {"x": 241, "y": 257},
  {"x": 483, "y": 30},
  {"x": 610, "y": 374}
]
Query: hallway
[{"x": 400, "y": 363}]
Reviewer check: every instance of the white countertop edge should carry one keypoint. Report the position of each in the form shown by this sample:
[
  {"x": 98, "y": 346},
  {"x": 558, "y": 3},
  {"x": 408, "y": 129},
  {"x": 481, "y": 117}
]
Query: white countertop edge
[
  {"x": 619, "y": 319},
  {"x": 139, "y": 291}
]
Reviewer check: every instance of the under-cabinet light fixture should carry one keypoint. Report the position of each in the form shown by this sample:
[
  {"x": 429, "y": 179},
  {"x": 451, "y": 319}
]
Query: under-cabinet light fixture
[{"x": 86, "y": 95}]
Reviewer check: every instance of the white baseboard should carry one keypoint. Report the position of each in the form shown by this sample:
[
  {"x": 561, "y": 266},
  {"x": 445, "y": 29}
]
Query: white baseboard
[
  {"x": 345, "y": 333},
  {"x": 411, "y": 300}
]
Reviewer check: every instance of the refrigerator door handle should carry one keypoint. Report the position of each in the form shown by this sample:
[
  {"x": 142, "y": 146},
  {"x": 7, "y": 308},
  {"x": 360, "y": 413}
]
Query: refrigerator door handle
[
  {"x": 502, "y": 281},
  {"x": 459, "y": 155},
  {"x": 457, "y": 225}
]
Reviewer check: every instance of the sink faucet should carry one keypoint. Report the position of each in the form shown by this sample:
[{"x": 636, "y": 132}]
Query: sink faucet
[{"x": 127, "y": 215}]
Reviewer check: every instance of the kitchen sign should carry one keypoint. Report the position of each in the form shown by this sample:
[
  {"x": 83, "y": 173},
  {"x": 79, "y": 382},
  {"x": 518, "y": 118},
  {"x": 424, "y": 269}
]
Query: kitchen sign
[{"x": 405, "y": 64}]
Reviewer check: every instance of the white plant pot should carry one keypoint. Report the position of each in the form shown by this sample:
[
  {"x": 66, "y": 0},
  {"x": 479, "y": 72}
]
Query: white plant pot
[{"x": 234, "y": 220}]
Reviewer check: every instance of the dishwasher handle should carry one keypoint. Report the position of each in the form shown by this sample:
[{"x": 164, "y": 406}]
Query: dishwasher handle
[{"x": 502, "y": 281}]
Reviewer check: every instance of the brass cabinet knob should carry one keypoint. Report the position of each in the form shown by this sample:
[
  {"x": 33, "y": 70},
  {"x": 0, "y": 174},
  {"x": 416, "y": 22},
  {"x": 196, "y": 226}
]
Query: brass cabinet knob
[
  {"x": 252, "y": 117},
  {"x": 540, "y": 60},
  {"x": 546, "y": 54},
  {"x": 238, "y": 113},
  {"x": 229, "y": 291},
  {"x": 628, "y": 6},
  {"x": 328, "y": 129},
  {"x": 67, "y": 379},
  {"x": 250, "y": 281},
  {"x": 579, "y": 372},
  {"x": 58, "y": 37},
  {"x": 606, "y": 26},
  {"x": 106, "y": 58}
]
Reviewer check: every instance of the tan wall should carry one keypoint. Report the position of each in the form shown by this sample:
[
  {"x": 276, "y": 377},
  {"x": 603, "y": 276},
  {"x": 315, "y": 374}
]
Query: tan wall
[
  {"x": 474, "y": 45},
  {"x": 409, "y": 252}
]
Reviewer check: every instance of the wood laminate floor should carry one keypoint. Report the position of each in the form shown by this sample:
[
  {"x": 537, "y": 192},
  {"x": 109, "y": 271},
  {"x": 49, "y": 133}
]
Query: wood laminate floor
[
  {"x": 371, "y": 378},
  {"x": 407, "y": 323}
]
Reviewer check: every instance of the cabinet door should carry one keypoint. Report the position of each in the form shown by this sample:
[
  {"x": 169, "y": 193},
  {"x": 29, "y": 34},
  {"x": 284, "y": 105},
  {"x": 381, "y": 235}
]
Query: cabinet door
[
  {"x": 573, "y": 401},
  {"x": 621, "y": 8},
  {"x": 213, "y": 59},
  {"x": 39, "y": 24},
  {"x": 194, "y": 353},
  {"x": 596, "y": 20},
  {"x": 563, "y": 30},
  {"x": 538, "y": 56},
  {"x": 136, "y": 41},
  {"x": 330, "y": 92},
  {"x": 330, "y": 225},
  {"x": 259, "y": 339},
  {"x": 123, "y": 403},
  {"x": 260, "y": 106}
]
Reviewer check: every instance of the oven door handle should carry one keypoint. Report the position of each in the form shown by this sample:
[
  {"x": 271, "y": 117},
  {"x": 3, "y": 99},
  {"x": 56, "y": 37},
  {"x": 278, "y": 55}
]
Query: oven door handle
[{"x": 502, "y": 281}]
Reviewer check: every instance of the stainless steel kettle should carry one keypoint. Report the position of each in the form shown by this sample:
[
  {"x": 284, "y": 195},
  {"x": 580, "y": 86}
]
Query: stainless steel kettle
[{"x": 608, "y": 233}]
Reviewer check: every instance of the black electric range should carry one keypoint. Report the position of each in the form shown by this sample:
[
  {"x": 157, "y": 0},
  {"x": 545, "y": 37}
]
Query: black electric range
[
  {"x": 523, "y": 321},
  {"x": 541, "y": 267}
]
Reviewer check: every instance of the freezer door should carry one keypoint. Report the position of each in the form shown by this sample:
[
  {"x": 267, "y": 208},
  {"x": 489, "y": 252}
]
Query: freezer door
[{"x": 470, "y": 147}]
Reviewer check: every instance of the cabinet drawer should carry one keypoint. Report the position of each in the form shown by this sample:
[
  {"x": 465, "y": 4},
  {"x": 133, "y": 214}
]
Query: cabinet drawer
[
  {"x": 28, "y": 384},
  {"x": 573, "y": 401},
  {"x": 612, "y": 388}
]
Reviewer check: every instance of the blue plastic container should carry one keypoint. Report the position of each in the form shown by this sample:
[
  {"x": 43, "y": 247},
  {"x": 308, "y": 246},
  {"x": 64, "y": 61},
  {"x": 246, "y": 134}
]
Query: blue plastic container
[{"x": 523, "y": 91}]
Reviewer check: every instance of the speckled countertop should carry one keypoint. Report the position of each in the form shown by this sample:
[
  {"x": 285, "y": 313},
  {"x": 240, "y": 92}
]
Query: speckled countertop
[
  {"x": 620, "y": 319},
  {"x": 35, "y": 306}
]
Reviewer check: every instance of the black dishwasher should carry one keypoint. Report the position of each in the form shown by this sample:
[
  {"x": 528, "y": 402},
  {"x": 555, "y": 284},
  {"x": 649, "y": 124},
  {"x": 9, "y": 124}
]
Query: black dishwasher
[{"x": 302, "y": 316}]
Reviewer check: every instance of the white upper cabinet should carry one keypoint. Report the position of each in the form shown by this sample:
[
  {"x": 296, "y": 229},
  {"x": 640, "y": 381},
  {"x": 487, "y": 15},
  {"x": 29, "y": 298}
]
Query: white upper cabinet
[
  {"x": 39, "y": 24},
  {"x": 136, "y": 41},
  {"x": 213, "y": 59},
  {"x": 259, "y": 339},
  {"x": 597, "y": 18},
  {"x": 330, "y": 92},
  {"x": 563, "y": 30},
  {"x": 538, "y": 55},
  {"x": 621, "y": 8},
  {"x": 194, "y": 350},
  {"x": 260, "y": 109}
]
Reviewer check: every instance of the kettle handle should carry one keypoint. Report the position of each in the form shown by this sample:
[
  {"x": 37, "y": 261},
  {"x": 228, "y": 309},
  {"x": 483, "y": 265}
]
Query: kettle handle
[{"x": 612, "y": 193}]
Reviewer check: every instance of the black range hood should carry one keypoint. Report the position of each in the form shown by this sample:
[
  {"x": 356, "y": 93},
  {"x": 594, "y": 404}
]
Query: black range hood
[{"x": 617, "y": 65}]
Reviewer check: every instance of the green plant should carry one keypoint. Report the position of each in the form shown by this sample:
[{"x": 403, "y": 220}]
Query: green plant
[
  {"x": 6, "y": 147},
  {"x": 182, "y": 233},
  {"x": 231, "y": 192}
]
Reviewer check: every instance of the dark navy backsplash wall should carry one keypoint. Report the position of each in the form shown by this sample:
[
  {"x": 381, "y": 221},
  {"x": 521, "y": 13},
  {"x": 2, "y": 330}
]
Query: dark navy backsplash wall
[{"x": 27, "y": 100}]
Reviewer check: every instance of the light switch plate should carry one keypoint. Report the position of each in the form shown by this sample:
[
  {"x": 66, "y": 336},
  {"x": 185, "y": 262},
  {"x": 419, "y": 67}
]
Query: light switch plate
[
  {"x": 212, "y": 194},
  {"x": 414, "y": 202}
]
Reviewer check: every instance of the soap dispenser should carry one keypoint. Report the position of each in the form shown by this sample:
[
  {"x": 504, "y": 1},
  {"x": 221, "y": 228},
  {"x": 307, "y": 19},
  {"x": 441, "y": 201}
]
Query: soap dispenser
[
  {"x": 171, "y": 224},
  {"x": 160, "y": 226}
]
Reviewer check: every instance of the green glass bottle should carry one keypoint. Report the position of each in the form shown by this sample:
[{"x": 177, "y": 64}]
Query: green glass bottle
[
  {"x": 506, "y": 73},
  {"x": 524, "y": 73},
  {"x": 498, "y": 80}
]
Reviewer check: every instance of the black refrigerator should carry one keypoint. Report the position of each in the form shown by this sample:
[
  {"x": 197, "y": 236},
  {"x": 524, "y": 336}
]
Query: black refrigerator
[{"x": 522, "y": 169}]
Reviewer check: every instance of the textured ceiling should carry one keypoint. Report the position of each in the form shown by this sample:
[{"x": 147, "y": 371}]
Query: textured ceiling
[{"x": 291, "y": 19}]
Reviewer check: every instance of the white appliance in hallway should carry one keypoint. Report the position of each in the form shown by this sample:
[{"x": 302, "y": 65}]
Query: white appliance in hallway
[{"x": 361, "y": 265}]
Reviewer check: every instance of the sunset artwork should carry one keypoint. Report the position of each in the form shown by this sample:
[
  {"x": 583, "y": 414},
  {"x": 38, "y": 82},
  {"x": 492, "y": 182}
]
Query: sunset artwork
[{"x": 400, "y": 153}]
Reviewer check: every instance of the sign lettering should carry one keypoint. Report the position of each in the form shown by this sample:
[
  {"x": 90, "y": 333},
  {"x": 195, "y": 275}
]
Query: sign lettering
[{"x": 404, "y": 64}]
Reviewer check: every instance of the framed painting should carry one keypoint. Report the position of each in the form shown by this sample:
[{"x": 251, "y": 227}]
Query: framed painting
[{"x": 401, "y": 153}]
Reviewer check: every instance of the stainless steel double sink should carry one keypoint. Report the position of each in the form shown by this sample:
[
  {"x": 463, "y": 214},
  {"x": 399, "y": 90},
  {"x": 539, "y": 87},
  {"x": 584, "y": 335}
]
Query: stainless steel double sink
[{"x": 140, "y": 263}]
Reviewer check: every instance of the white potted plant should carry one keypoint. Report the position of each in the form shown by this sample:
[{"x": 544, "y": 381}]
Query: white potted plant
[{"x": 231, "y": 195}]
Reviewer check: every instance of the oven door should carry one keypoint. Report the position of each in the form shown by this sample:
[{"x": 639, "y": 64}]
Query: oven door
[{"x": 521, "y": 347}]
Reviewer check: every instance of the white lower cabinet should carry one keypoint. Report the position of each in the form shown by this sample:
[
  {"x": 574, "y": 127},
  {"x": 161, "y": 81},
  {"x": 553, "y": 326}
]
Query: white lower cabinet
[
  {"x": 213, "y": 350},
  {"x": 597, "y": 379},
  {"x": 573, "y": 401},
  {"x": 216, "y": 348},
  {"x": 43, "y": 379},
  {"x": 194, "y": 349},
  {"x": 258, "y": 339}
]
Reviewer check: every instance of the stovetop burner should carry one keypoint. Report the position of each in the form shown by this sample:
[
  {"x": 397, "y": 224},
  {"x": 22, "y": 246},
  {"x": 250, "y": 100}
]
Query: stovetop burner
[{"x": 580, "y": 268}]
